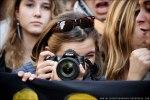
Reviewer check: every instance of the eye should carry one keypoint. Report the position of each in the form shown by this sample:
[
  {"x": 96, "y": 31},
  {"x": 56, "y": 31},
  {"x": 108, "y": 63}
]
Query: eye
[
  {"x": 147, "y": 7},
  {"x": 46, "y": 7},
  {"x": 30, "y": 5},
  {"x": 137, "y": 11}
]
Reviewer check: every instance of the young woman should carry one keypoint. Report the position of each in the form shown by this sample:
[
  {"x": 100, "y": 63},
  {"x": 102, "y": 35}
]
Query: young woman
[
  {"x": 68, "y": 31},
  {"x": 140, "y": 57},
  {"x": 28, "y": 19},
  {"x": 127, "y": 40}
]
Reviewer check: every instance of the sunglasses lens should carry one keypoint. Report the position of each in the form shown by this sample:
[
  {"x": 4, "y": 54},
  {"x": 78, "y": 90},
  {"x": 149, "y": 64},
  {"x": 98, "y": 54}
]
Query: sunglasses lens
[
  {"x": 66, "y": 26},
  {"x": 86, "y": 22}
]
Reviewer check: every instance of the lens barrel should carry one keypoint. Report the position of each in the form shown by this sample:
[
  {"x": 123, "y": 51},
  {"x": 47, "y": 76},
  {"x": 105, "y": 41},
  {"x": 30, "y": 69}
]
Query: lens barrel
[{"x": 68, "y": 68}]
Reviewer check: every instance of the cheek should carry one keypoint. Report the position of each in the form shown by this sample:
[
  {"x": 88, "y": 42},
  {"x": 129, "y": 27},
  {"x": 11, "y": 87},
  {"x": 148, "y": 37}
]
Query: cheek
[
  {"x": 46, "y": 17},
  {"x": 90, "y": 3},
  {"x": 24, "y": 12},
  {"x": 137, "y": 39},
  {"x": 24, "y": 16},
  {"x": 148, "y": 19},
  {"x": 148, "y": 38},
  {"x": 24, "y": 21}
]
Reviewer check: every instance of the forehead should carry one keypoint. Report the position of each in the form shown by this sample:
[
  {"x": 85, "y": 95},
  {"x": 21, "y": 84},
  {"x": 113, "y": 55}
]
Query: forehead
[
  {"x": 40, "y": 1},
  {"x": 80, "y": 47}
]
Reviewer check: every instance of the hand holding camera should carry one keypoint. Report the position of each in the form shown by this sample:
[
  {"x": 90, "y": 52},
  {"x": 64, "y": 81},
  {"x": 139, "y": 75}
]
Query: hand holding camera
[
  {"x": 68, "y": 67},
  {"x": 46, "y": 68}
]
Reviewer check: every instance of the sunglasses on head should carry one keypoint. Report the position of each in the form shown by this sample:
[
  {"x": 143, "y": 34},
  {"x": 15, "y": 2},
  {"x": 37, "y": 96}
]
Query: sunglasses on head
[{"x": 68, "y": 25}]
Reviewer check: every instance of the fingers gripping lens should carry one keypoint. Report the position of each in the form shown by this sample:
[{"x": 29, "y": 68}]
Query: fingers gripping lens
[{"x": 68, "y": 25}]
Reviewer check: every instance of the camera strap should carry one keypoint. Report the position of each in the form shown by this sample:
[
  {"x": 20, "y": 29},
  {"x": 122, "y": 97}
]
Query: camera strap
[{"x": 92, "y": 69}]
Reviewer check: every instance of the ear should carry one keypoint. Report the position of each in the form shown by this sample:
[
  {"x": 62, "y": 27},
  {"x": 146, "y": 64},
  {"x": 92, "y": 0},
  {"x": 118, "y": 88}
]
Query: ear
[
  {"x": 17, "y": 13},
  {"x": 47, "y": 48}
]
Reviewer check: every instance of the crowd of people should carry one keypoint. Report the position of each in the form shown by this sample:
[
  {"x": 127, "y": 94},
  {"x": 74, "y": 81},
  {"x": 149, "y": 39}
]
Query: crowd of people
[{"x": 113, "y": 36}]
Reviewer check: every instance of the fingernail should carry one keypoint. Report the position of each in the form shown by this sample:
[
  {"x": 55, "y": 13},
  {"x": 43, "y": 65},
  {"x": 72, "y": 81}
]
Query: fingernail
[
  {"x": 20, "y": 73},
  {"x": 31, "y": 78},
  {"x": 23, "y": 80}
]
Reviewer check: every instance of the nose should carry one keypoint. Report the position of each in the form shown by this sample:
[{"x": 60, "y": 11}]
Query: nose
[
  {"x": 37, "y": 12},
  {"x": 140, "y": 18}
]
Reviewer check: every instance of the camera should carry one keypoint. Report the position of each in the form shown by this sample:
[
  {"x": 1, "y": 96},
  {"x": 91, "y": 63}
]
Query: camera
[{"x": 68, "y": 64}]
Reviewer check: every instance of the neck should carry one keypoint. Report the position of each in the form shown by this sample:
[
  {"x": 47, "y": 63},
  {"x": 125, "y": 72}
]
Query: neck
[{"x": 29, "y": 41}]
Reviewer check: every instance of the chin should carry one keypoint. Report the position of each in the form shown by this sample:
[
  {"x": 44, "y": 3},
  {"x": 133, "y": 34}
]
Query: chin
[
  {"x": 36, "y": 32},
  {"x": 101, "y": 18}
]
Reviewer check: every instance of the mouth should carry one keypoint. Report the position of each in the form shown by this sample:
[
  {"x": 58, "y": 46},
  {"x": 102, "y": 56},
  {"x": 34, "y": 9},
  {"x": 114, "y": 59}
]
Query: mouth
[
  {"x": 36, "y": 23},
  {"x": 144, "y": 30},
  {"x": 102, "y": 4},
  {"x": 102, "y": 7}
]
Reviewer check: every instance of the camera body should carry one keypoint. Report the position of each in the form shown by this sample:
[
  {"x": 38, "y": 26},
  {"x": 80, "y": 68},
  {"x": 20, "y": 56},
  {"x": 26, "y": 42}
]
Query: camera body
[{"x": 68, "y": 64}]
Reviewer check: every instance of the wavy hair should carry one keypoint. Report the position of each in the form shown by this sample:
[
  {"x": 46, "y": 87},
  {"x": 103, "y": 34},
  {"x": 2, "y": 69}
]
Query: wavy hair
[
  {"x": 117, "y": 37},
  {"x": 13, "y": 47}
]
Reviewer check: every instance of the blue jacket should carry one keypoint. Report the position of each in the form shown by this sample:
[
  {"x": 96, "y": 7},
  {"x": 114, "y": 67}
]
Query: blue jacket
[{"x": 28, "y": 67}]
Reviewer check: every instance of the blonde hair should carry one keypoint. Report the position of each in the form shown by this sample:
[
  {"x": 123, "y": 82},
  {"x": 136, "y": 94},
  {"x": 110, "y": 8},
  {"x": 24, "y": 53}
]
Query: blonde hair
[
  {"x": 13, "y": 47},
  {"x": 117, "y": 37}
]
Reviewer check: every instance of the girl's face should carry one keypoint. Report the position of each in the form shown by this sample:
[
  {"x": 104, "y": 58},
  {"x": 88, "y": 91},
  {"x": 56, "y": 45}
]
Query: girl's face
[
  {"x": 141, "y": 37},
  {"x": 33, "y": 15},
  {"x": 85, "y": 48}
]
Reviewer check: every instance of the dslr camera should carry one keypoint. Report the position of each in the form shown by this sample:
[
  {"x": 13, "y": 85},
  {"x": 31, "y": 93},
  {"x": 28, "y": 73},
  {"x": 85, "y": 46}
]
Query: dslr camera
[{"x": 68, "y": 64}]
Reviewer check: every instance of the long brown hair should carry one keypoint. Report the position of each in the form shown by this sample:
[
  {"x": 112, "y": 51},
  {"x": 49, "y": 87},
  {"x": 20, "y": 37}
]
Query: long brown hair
[
  {"x": 117, "y": 37},
  {"x": 13, "y": 47}
]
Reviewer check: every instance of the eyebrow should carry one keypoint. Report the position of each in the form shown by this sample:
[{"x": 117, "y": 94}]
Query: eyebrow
[
  {"x": 48, "y": 3},
  {"x": 93, "y": 51},
  {"x": 31, "y": 0}
]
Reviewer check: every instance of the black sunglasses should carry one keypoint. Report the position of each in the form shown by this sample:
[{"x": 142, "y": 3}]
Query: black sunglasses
[{"x": 68, "y": 25}]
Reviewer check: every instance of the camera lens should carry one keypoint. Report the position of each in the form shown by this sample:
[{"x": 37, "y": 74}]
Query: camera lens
[{"x": 67, "y": 69}]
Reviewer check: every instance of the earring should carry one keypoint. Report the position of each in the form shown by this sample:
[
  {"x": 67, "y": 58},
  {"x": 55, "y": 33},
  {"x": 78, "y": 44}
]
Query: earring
[{"x": 18, "y": 30}]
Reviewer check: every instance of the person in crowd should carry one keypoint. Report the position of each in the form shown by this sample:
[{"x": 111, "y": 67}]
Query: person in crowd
[
  {"x": 127, "y": 40},
  {"x": 27, "y": 18},
  {"x": 69, "y": 30},
  {"x": 97, "y": 8},
  {"x": 140, "y": 57}
]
